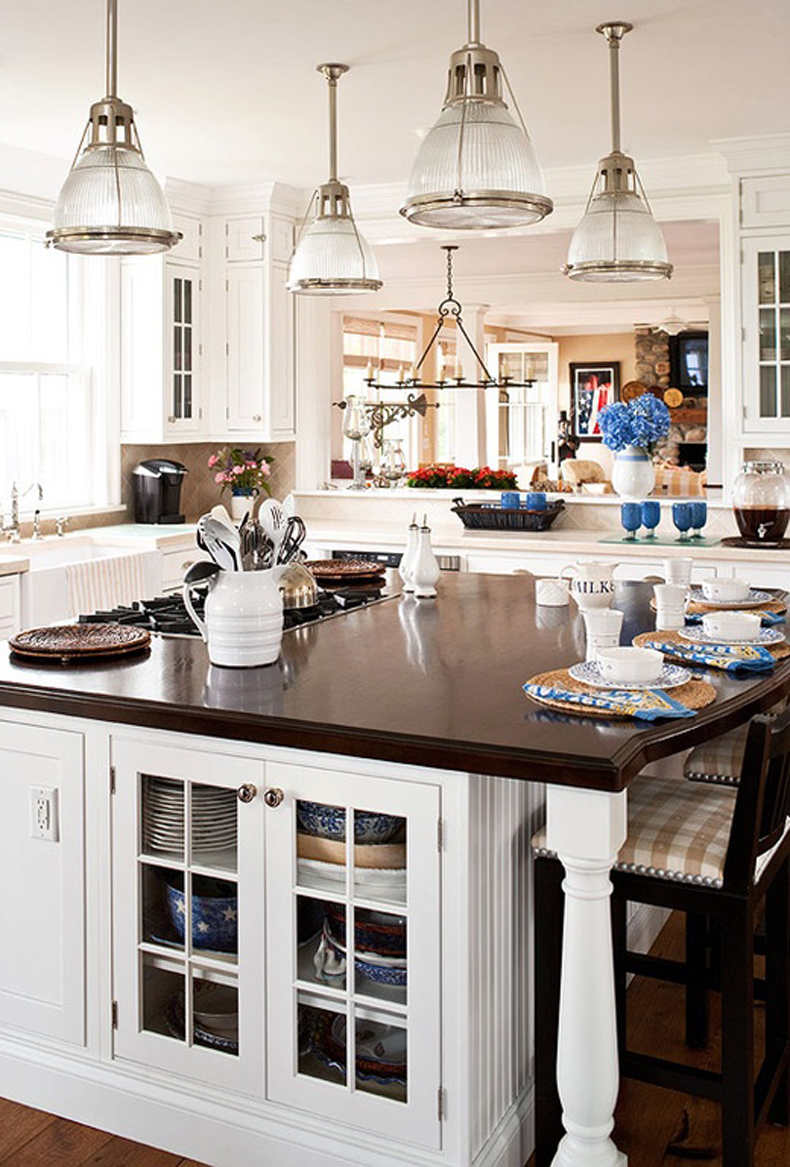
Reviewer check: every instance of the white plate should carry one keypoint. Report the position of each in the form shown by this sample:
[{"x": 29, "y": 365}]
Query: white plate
[
  {"x": 755, "y": 599},
  {"x": 589, "y": 673},
  {"x": 697, "y": 635}
]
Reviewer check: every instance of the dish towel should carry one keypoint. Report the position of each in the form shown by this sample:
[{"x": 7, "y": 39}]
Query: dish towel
[
  {"x": 644, "y": 704},
  {"x": 99, "y": 584},
  {"x": 732, "y": 658}
]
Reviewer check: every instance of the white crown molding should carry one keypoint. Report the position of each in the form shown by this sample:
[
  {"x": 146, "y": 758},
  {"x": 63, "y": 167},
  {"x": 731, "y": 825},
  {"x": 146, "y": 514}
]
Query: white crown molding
[
  {"x": 26, "y": 206},
  {"x": 768, "y": 152}
]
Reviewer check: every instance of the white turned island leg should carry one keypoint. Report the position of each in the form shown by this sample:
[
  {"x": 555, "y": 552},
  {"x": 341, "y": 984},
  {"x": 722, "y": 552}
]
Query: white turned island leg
[{"x": 587, "y": 828}]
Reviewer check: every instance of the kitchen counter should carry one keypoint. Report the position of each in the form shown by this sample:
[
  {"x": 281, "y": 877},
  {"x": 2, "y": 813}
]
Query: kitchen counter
[
  {"x": 12, "y": 563},
  {"x": 431, "y": 683}
]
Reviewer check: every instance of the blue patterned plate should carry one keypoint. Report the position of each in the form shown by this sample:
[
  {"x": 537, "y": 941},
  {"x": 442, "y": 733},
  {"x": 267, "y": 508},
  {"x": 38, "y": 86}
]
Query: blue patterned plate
[
  {"x": 589, "y": 673},
  {"x": 756, "y": 598},
  {"x": 697, "y": 635}
]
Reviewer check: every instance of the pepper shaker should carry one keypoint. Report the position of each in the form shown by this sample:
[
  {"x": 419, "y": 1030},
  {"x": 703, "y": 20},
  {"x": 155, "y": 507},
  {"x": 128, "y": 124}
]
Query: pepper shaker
[
  {"x": 425, "y": 571},
  {"x": 406, "y": 565}
]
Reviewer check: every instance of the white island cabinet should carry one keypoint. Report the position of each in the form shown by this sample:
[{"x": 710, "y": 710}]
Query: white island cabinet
[{"x": 196, "y": 890}]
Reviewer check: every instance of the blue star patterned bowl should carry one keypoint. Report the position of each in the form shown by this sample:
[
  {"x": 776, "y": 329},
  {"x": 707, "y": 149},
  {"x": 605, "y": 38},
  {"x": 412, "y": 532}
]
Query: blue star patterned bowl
[
  {"x": 214, "y": 919},
  {"x": 329, "y": 822}
]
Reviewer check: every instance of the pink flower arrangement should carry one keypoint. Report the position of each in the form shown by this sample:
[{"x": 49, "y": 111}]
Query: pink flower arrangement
[{"x": 244, "y": 471}]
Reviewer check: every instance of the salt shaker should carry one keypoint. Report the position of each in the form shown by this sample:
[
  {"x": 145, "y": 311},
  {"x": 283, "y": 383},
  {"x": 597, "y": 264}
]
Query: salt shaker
[
  {"x": 406, "y": 565},
  {"x": 425, "y": 570}
]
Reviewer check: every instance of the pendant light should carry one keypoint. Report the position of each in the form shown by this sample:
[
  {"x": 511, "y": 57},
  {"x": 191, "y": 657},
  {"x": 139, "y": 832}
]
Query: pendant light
[
  {"x": 617, "y": 240},
  {"x": 110, "y": 203},
  {"x": 331, "y": 257},
  {"x": 476, "y": 168}
]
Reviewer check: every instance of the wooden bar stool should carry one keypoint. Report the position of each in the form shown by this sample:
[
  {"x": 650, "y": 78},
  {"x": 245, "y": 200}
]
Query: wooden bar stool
[{"x": 709, "y": 851}]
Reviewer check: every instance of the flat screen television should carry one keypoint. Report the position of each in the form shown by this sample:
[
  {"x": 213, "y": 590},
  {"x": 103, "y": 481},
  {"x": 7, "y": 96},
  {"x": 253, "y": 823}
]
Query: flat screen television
[{"x": 688, "y": 360}]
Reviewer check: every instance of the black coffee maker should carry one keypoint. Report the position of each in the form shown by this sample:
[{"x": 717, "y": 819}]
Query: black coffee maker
[{"x": 157, "y": 491}]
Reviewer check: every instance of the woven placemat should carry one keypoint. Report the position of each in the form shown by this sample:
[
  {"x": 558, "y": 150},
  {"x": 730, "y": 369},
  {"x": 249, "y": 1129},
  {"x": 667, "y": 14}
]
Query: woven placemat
[
  {"x": 695, "y": 694},
  {"x": 777, "y": 651},
  {"x": 699, "y": 608},
  {"x": 71, "y": 642}
]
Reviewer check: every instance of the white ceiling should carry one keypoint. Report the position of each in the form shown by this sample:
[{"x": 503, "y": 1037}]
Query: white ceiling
[{"x": 228, "y": 92}]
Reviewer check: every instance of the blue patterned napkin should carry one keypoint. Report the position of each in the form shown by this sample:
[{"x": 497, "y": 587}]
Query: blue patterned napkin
[
  {"x": 769, "y": 618},
  {"x": 732, "y": 658},
  {"x": 644, "y": 704}
]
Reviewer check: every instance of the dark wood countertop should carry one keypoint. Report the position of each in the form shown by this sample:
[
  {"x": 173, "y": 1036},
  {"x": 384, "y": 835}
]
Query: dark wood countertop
[{"x": 432, "y": 682}]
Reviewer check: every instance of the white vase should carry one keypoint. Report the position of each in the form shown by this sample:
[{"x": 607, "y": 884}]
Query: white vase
[
  {"x": 633, "y": 475},
  {"x": 239, "y": 505}
]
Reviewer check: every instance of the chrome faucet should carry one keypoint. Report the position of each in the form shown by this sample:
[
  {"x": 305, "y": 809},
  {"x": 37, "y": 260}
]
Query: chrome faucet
[{"x": 12, "y": 529}]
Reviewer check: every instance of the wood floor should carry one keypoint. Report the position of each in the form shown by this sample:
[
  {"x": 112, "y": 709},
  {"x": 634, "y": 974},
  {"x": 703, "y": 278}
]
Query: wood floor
[{"x": 656, "y": 1128}]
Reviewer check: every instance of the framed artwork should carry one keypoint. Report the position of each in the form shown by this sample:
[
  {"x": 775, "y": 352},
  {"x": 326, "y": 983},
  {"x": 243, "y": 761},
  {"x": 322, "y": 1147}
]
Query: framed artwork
[{"x": 593, "y": 385}]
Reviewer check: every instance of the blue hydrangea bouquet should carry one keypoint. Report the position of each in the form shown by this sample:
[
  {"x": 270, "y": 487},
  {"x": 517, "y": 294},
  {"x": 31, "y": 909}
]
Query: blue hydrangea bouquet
[{"x": 642, "y": 422}]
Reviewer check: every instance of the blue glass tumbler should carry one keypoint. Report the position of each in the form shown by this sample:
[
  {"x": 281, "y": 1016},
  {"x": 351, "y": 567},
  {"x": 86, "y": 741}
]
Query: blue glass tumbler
[
  {"x": 631, "y": 518},
  {"x": 699, "y": 517},
  {"x": 682, "y": 517},
  {"x": 651, "y": 516}
]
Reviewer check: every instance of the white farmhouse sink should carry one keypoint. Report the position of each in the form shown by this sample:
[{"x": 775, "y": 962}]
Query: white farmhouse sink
[{"x": 44, "y": 589}]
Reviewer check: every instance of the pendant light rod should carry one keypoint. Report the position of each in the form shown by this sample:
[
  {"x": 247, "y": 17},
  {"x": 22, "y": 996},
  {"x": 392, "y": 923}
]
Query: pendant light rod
[
  {"x": 332, "y": 72},
  {"x": 473, "y": 22},
  {"x": 112, "y": 48},
  {"x": 614, "y": 33}
]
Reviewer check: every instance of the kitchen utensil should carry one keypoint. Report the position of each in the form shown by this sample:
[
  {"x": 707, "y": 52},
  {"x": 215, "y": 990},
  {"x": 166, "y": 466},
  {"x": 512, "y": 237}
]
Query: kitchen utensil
[
  {"x": 208, "y": 539},
  {"x": 625, "y": 664},
  {"x": 592, "y": 584},
  {"x": 732, "y": 626},
  {"x": 589, "y": 673},
  {"x": 295, "y": 532},
  {"x": 220, "y": 513},
  {"x": 298, "y": 587},
  {"x": 273, "y": 522},
  {"x": 227, "y": 534},
  {"x": 724, "y": 590},
  {"x": 243, "y": 625},
  {"x": 200, "y": 571}
]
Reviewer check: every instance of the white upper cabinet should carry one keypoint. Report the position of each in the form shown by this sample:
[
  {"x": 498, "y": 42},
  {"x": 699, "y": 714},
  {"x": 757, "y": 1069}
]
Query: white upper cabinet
[
  {"x": 765, "y": 289},
  {"x": 244, "y": 239}
]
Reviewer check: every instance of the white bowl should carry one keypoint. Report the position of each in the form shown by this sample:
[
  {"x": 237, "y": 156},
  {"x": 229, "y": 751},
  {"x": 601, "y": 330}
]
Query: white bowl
[
  {"x": 732, "y": 626},
  {"x": 725, "y": 591},
  {"x": 626, "y": 664}
]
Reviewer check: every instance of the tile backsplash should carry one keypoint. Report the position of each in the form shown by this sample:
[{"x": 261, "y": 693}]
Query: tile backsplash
[{"x": 200, "y": 492}]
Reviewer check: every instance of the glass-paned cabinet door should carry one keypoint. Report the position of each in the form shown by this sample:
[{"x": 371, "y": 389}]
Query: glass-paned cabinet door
[
  {"x": 183, "y": 286},
  {"x": 766, "y": 318},
  {"x": 353, "y": 949},
  {"x": 188, "y": 912},
  {"x": 521, "y": 420}
]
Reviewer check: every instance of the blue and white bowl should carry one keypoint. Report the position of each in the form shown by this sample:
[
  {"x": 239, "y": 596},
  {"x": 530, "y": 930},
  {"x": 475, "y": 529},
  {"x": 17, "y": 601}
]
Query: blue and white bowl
[
  {"x": 329, "y": 822},
  {"x": 214, "y": 919}
]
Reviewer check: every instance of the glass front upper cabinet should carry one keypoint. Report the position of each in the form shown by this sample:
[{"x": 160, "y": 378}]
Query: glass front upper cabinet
[{"x": 766, "y": 335}]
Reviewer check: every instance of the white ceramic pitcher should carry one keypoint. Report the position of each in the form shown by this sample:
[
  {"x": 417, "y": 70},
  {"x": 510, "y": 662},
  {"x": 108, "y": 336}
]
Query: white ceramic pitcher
[
  {"x": 592, "y": 584},
  {"x": 243, "y": 627}
]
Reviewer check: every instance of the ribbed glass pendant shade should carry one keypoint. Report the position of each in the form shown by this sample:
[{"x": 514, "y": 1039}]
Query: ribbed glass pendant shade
[
  {"x": 492, "y": 180},
  {"x": 110, "y": 203},
  {"x": 331, "y": 257},
  {"x": 617, "y": 240},
  {"x": 476, "y": 168}
]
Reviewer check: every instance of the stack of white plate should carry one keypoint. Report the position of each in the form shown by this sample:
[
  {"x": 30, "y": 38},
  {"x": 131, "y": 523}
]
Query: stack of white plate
[{"x": 213, "y": 817}]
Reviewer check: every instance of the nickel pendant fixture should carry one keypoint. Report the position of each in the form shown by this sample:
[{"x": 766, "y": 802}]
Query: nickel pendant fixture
[
  {"x": 476, "y": 168},
  {"x": 331, "y": 256},
  {"x": 617, "y": 240},
  {"x": 111, "y": 203}
]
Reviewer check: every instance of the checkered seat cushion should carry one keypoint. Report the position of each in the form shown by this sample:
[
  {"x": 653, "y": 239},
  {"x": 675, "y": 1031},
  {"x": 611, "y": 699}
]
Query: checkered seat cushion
[
  {"x": 718, "y": 760},
  {"x": 676, "y": 830}
]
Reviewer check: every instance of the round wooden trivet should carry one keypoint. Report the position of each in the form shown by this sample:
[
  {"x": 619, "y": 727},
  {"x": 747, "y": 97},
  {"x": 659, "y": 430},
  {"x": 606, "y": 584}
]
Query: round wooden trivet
[
  {"x": 778, "y": 651},
  {"x": 694, "y": 694},
  {"x": 68, "y": 642},
  {"x": 699, "y": 608}
]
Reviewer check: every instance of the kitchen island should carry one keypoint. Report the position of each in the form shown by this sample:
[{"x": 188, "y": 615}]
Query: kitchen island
[{"x": 410, "y": 710}]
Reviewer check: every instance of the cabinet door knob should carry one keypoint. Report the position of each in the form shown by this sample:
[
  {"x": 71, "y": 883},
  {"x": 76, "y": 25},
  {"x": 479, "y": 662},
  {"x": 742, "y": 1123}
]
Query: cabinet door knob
[
  {"x": 256, "y": 417},
  {"x": 273, "y": 796},
  {"x": 247, "y": 792},
  {"x": 172, "y": 419}
]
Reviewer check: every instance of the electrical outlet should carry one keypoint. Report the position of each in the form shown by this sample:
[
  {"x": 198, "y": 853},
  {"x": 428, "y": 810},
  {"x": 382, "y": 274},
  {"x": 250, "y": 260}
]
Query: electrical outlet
[{"x": 44, "y": 813}]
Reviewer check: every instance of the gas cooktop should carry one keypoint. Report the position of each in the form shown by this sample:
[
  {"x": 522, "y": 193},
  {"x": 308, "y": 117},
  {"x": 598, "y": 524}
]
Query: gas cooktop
[{"x": 168, "y": 616}]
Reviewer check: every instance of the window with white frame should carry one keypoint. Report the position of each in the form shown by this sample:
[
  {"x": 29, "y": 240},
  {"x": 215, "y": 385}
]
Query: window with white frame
[
  {"x": 385, "y": 349},
  {"x": 45, "y": 384}
]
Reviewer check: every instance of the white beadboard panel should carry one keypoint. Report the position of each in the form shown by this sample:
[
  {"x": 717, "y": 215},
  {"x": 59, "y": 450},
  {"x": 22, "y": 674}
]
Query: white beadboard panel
[{"x": 502, "y": 817}]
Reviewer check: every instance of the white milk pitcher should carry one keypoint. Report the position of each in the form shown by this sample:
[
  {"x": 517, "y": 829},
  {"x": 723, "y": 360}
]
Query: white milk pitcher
[
  {"x": 592, "y": 584},
  {"x": 244, "y": 617}
]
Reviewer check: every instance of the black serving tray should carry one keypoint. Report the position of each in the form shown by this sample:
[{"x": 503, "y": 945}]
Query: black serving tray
[{"x": 492, "y": 517}]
